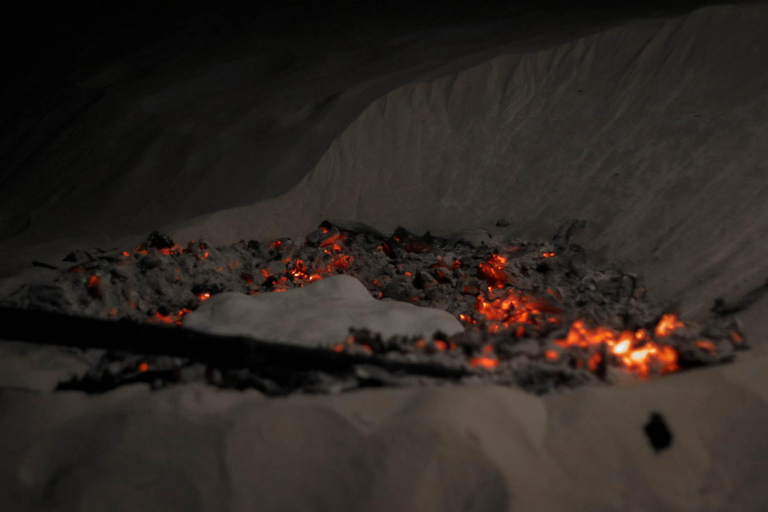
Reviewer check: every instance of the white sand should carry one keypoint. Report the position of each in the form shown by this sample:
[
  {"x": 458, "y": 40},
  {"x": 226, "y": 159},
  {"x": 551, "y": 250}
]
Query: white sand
[
  {"x": 319, "y": 313},
  {"x": 452, "y": 448}
]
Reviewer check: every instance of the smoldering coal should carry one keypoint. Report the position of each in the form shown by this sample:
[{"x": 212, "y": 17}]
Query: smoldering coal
[{"x": 537, "y": 315}]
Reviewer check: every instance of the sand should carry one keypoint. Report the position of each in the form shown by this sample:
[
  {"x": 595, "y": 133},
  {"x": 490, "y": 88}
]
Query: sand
[
  {"x": 319, "y": 313},
  {"x": 449, "y": 448}
]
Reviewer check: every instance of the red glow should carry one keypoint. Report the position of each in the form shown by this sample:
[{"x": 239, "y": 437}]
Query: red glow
[
  {"x": 492, "y": 271},
  {"x": 331, "y": 241},
  {"x": 514, "y": 307},
  {"x": 203, "y": 296},
  {"x": 635, "y": 351},
  {"x": 168, "y": 251},
  {"x": 143, "y": 367},
  {"x": 484, "y": 362},
  {"x": 668, "y": 324},
  {"x": 166, "y": 319}
]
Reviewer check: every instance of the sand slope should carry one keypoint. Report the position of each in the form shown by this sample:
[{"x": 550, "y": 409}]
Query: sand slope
[
  {"x": 120, "y": 125},
  {"x": 655, "y": 133}
]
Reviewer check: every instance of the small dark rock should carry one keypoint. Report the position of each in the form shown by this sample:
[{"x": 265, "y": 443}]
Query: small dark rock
[
  {"x": 658, "y": 432},
  {"x": 157, "y": 240}
]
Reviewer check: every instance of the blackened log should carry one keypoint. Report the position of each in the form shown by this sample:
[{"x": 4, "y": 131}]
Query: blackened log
[{"x": 48, "y": 328}]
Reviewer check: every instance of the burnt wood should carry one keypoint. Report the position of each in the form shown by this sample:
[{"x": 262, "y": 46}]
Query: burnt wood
[{"x": 48, "y": 328}]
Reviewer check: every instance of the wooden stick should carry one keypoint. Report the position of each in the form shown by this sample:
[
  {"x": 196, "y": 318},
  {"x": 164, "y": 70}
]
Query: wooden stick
[{"x": 47, "y": 328}]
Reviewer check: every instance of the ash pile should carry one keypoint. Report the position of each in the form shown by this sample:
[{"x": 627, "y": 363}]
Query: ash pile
[{"x": 536, "y": 315}]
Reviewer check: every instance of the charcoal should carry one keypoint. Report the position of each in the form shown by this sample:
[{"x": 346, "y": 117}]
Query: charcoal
[
  {"x": 424, "y": 280},
  {"x": 353, "y": 227},
  {"x": 150, "y": 261},
  {"x": 502, "y": 223},
  {"x": 156, "y": 240},
  {"x": 41, "y": 264},
  {"x": 315, "y": 237},
  {"x": 475, "y": 238},
  {"x": 518, "y": 300}
]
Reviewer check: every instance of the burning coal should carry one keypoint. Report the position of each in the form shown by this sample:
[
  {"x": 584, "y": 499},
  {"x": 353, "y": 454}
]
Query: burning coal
[{"x": 535, "y": 314}]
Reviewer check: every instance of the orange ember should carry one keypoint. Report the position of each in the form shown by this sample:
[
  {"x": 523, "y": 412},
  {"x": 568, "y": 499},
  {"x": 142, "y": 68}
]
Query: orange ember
[
  {"x": 204, "y": 296},
  {"x": 143, "y": 367},
  {"x": 483, "y": 362},
  {"x": 514, "y": 307},
  {"x": 492, "y": 271},
  {"x": 331, "y": 240},
  {"x": 635, "y": 351},
  {"x": 668, "y": 324},
  {"x": 548, "y": 254},
  {"x": 706, "y": 345},
  {"x": 167, "y": 251}
]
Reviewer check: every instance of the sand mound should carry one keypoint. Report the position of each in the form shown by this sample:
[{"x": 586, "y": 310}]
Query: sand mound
[{"x": 320, "y": 313}]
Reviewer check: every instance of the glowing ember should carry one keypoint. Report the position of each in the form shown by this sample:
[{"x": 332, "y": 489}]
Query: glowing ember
[
  {"x": 204, "y": 296},
  {"x": 668, "y": 324},
  {"x": 514, "y": 307},
  {"x": 94, "y": 286},
  {"x": 168, "y": 251},
  {"x": 143, "y": 367},
  {"x": 706, "y": 345},
  {"x": 633, "y": 350},
  {"x": 492, "y": 271},
  {"x": 483, "y": 362},
  {"x": 331, "y": 240}
]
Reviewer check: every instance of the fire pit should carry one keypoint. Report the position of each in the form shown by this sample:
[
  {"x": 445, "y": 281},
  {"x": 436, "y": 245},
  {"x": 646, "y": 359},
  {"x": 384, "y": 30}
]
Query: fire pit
[{"x": 536, "y": 314}]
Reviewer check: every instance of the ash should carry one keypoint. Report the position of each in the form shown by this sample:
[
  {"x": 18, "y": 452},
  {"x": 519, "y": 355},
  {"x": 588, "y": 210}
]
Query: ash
[{"x": 536, "y": 315}]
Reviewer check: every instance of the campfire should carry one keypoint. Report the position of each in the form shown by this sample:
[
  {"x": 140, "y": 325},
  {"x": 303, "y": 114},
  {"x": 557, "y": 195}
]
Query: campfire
[{"x": 535, "y": 314}]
